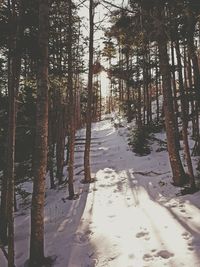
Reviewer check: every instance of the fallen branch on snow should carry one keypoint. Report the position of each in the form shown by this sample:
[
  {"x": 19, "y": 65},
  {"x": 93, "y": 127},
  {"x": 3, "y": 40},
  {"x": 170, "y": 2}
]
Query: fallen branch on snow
[{"x": 5, "y": 253}]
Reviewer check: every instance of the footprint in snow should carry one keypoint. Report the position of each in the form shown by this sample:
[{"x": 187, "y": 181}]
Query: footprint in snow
[
  {"x": 174, "y": 205},
  {"x": 143, "y": 234},
  {"x": 165, "y": 254},
  {"x": 190, "y": 247},
  {"x": 147, "y": 257},
  {"x": 186, "y": 235},
  {"x": 113, "y": 257},
  {"x": 182, "y": 210}
]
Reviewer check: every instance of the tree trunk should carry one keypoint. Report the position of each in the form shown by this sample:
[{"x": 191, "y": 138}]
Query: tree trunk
[
  {"x": 51, "y": 142},
  {"x": 41, "y": 145},
  {"x": 129, "y": 115},
  {"x": 179, "y": 176},
  {"x": 184, "y": 117},
  {"x": 175, "y": 96},
  {"x": 13, "y": 86},
  {"x": 60, "y": 138},
  {"x": 71, "y": 109},
  {"x": 87, "y": 171},
  {"x": 157, "y": 90},
  {"x": 193, "y": 112}
]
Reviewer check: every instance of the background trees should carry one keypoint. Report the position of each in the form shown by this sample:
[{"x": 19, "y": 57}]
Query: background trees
[{"x": 155, "y": 60}]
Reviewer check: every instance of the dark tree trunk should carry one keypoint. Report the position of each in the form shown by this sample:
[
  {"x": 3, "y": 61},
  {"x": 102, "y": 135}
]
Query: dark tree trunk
[
  {"x": 193, "y": 112},
  {"x": 184, "y": 116},
  {"x": 179, "y": 176},
  {"x": 87, "y": 171},
  {"x": 60, "y": 137},
  {"x": 71, "y": 109},
  {"x": 139, "y": 105},
  {"x": 13, "y": 86},
  {"x": 129, "y": 115},
  {"x": 41, "y": 144},
  {"x": 51, "y": 141},
  {"x": 175, "y": 96},
  {"x": 157, "y": 90}
]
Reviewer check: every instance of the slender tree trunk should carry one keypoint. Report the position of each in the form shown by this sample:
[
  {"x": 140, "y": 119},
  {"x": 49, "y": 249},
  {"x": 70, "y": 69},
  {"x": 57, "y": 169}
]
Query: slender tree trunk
[
  {"x": 13, "y": 86},
  {"x": 186, "y": 82},
  {"x": 4, "y": 187},
  {"x": 71, "y": 109},
  {"x": 14, "y": 69},
  {"x": 184, "y": 117},
  {"x": 157, "y": 91},
  {"x": 139, "y": 119},
  {"x": 100, "y": 101},
  {"x": 175, "y": 96},
  {"x": 189, "y": 76},
  {"x": 179, "y": 176},
  {"x": 87, "y": 171},
  {"x": 60, "y": 136},
  {"x": 51, "y": 142},
  {"x": 129, "y": 115},
  {"x": 41, "y": 144}
]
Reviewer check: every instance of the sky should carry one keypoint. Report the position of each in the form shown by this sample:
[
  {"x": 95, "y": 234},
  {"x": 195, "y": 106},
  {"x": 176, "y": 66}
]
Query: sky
[{"x": 101, "y": 19}]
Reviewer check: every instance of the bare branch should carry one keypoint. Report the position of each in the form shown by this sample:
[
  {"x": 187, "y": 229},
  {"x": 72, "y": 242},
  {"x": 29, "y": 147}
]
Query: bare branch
[{"x": 118, "y": 7}]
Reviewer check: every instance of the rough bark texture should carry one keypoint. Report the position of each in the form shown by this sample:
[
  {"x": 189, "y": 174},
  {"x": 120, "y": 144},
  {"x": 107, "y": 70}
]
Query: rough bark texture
[
  {"x": 174, "y": 157},
  {"x": 41, "y": 146},
  {"x": 87, "y": 171}
]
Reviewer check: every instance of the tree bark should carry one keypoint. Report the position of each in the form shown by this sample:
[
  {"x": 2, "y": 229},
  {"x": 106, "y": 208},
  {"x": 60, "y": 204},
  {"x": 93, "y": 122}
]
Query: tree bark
[
  {"x": 13, "y": 86},
  {"x": 51, "y": 141},
  {"x": 60, "y": 137},
  {"x": 87, "y": 171},
  {"x": 175, "y": 96},
  {"x": 184, "y": 116},
  {"x": 71, "y": 109},
  {"x": 41, "y": 144},
  {"x": 179, "y": 176}
]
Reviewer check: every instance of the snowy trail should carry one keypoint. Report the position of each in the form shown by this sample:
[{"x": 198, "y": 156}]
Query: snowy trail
[
  {"x": 128, "y": 221},
  {"x": 130, "y": 217}
]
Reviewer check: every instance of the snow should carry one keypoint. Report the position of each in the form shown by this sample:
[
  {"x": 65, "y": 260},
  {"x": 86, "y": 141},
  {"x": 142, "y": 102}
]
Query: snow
[{"x": 131, "y": 216}]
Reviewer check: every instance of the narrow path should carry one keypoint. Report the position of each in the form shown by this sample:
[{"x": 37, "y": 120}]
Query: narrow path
[{"x": 127, "y": 221}]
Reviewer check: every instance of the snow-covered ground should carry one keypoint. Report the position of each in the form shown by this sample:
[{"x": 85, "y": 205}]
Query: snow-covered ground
[{"x": 131, "y": 216}]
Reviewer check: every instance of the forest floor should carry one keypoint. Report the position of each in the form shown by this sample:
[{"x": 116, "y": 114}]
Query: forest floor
[{"x": 131, "y": 216}]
